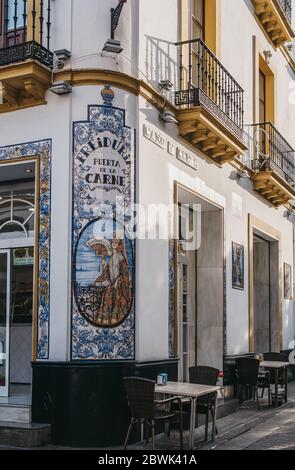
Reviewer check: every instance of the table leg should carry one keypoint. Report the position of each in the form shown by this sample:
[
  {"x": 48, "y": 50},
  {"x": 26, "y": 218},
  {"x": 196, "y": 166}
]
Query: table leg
[
  {"x": 192, "y": 423},
  {"x": 276, "y": 386},
  {"x": 214, "y": 417},
  {"x": 286, "y": 384}
]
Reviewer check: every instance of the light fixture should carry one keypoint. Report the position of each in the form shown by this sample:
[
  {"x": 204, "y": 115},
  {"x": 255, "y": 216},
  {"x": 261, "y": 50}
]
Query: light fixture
[
  {"x": 113, "y": 45},
  {"x": 268, "y": 56},
  {"x": 165, "y": 85},
  {"x": 62, "y": 55},
  {"x": 28, "y": 170},
  {"x": 61, "y": 88},
  {"x": 242, "y": 174},
  {"x": 167, "y": 116}
]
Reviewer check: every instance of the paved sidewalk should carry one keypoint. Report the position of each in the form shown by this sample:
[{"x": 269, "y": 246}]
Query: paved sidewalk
[{"x": 248, "y": 428}]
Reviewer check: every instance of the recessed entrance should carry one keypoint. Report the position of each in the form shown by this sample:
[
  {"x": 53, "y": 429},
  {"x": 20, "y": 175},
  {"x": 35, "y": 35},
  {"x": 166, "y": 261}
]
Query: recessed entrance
[
  {"x": 265, "y": 304},
  {"x": 201, "y": 289},
  {"x": 17, "y": 229},
  {"x": 266, "y": 301}
]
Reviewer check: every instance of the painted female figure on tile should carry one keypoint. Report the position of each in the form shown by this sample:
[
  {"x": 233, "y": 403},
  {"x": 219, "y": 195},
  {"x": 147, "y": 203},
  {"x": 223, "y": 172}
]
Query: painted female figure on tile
[{"x": 104, "y": 275}]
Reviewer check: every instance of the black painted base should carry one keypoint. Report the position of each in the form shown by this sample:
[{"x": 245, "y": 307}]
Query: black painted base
[{"x": 86, "y": 402}]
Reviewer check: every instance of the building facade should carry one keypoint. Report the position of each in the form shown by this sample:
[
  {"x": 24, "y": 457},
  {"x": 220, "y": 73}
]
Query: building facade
[{"x": 188, "y": 104}]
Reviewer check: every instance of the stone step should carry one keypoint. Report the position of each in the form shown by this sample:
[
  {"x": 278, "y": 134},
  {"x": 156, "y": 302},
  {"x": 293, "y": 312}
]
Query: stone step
[
  {"x": 24, "y": 435},
  {"x": 15, "y": 413}
]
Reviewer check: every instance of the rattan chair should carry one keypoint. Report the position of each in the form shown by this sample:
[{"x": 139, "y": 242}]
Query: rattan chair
[
  {"x": 247, "y": 374},
  {"x": 145, "y": 409},
  {"x": 203, "y": 375}
]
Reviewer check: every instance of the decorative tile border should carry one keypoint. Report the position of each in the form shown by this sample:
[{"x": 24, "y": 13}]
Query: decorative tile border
[
  {"x": 103, "y": 266},
  {"x": 43, "y": 151},
  {"x": 171, "y": 326}
]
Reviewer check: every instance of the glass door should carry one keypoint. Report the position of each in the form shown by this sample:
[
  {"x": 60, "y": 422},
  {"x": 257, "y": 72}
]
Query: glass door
[{"x": 4, "y": 321}]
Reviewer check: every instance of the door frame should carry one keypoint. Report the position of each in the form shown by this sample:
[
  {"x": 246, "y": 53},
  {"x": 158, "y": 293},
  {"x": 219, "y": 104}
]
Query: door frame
[
  {"x": 4, "y": 390},
  {"x": 276, "y": 236},
  {"x": 177, "y": 187},
  {"x": 10, "y": 244}
]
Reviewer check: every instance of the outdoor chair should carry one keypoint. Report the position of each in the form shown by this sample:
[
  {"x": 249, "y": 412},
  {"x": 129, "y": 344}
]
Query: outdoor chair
[
  {"x": 247, "y": 374},
  {"x": 203, "y": 375},
  {"x": 146, "y": 410}
]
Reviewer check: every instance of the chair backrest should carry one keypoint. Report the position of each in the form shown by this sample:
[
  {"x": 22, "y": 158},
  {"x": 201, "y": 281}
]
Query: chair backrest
[
  {"x": 274, "y": 356},
  {"x": 203, "y": 375},
  {"x": 140, "y": 396},
  {"x": 247, "y": 370}
]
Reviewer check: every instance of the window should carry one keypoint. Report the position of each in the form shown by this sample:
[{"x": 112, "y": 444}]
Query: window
[
  {"x": 16, "y": 12},
  {"x": 198, "y": 19},
  {"x": 265, "y": 91},
  {"x": 262, "y": 97},
  {"x": 13, "y": 19},
  {"x": 17, "y": 211}
]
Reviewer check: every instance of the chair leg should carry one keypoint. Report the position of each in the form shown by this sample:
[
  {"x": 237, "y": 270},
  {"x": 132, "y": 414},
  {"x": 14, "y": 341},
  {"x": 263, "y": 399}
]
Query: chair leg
[
  {"x": 212, "y": 415},
  {"x": 181, "y": 431},
  {"x": 147, "y": 434},
  {"x": 257, "y": 396},
  {"x": 153, "y": 435},
  {"x": 207, "y": 426},
  {"x": 269, "y": 396},
  {"x": 262, "y": 393},
  {"x": 128, "y": 433}
]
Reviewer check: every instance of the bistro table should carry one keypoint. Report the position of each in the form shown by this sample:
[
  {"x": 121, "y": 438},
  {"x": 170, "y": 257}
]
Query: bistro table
[
  {"x": 193, "y": 392},
  {"x": 277, "y": 366}
]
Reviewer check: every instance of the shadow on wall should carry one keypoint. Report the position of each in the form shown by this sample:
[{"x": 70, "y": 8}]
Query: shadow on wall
[{"x": 161, "y": 62}]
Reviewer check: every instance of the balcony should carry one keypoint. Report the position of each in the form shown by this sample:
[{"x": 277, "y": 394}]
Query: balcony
[
  {"x": 275, "y": 16},
  {"x": 271, "y": 159},
  {"x": 210, "y": 104},
  {"x": 25, "y": 56}
]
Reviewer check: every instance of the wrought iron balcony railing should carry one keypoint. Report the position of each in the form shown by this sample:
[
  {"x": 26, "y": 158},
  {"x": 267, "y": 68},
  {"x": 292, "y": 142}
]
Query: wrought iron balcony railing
[
  {"x": 269, "y": 151},
  {"x": 204, "y": 81},
  {"x": 25, "y": 27},
  {"x": 286, "y": 7}
]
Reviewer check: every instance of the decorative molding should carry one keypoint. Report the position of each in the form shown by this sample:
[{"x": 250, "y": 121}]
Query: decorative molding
[
  {"x": 273, "y": 21},
  {"x": 23, "y": 85},
  {"x": 40, "y": 151},
  {"x": 208, "y": 134},
  {"x": 83, "y": 77},
  {"x": 273, "y": 188}
]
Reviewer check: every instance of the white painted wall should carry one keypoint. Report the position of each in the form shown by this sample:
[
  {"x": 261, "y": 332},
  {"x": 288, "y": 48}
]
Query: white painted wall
[
  {"x": 147, "y": 30},
  {"x": 156, "y": 166}
]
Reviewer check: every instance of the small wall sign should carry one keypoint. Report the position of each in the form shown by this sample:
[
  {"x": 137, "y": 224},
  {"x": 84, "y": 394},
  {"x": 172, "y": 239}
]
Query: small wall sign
[{"x": 157, "y": 138}]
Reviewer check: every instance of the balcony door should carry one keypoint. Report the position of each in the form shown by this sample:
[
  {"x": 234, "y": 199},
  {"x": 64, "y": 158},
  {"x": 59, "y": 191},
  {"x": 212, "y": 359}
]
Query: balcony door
[{"x": 13, "y": 19}]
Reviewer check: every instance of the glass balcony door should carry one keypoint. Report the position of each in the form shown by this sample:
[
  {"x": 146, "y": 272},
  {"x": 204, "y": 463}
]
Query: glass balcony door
[
  {"x": 13, "y": 22},
  {"x": 4, "y": 321}
]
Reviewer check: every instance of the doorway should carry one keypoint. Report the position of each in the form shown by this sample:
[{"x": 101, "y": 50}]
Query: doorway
[
  {"x": 200, "y": 279},
  {"x": 265, "y": 293},
  {"x": 17, "y": 260}
]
